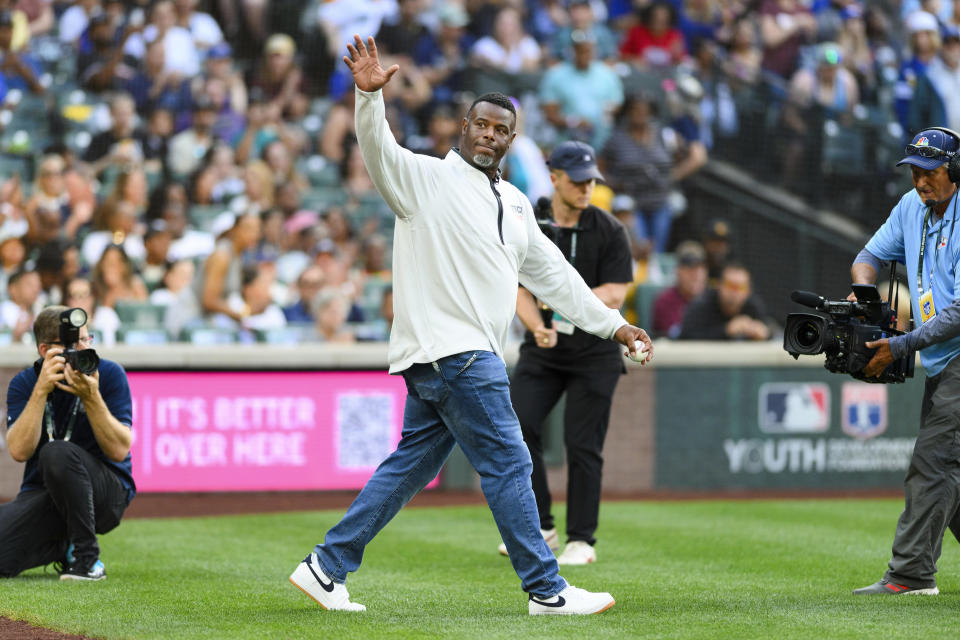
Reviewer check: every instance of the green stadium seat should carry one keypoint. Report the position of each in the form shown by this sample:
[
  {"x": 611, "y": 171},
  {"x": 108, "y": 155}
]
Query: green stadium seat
[
  {"x": 202, "y": 215},
  {"x": 643, "y": 298},
  {"x": 138, "y": 336},
  {"x": 140, "y": 315},
  {"x": 209, "y": 335}
]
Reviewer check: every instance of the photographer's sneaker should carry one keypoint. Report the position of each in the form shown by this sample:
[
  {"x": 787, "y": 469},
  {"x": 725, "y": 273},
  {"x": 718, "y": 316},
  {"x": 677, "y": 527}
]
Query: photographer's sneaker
[
  {"x": 310, "y": 578},
  {"x": 91, "y": 574},
  {"x": 571, "y": 601},
  {"x": 885, "y": 587},
  {"x": 549, "y": 536},
  {"x": 577, "y": 552}
]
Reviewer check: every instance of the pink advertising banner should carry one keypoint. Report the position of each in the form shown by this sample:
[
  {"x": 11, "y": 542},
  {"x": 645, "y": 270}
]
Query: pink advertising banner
[{"x": 262, "y": 431}]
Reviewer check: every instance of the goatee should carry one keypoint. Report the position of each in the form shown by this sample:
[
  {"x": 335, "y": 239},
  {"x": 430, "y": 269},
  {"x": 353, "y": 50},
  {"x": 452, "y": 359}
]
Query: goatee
[{"x": 483, "y": 161}]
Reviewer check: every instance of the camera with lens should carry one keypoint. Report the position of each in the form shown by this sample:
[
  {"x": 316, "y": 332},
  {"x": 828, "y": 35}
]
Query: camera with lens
[
  {"x": 83, "y": 360},
  {"x": 841, "y": 331}
]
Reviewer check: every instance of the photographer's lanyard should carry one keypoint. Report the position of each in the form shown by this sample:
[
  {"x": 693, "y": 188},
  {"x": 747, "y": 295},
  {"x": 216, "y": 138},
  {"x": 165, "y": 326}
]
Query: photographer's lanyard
[
  {"x": 573, "y": 247},
  {"x": 48, "y": 419},
  {"x": 936, "y": 251}
]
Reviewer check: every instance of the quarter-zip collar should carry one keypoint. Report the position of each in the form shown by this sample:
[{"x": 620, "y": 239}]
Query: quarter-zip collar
[{"x": 493, "y": 187}]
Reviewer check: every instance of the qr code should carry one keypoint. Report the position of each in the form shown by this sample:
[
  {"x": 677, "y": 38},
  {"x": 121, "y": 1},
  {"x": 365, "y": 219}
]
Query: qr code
[{"x": 364, "y": 429}]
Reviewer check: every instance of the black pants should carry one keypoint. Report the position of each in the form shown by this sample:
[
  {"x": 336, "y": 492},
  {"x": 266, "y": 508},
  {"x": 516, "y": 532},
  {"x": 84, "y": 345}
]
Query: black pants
[
  {"x": 82, "y": 497},
  {"x": 932, "y": 484},
  {"x": 535, "y": 389}
]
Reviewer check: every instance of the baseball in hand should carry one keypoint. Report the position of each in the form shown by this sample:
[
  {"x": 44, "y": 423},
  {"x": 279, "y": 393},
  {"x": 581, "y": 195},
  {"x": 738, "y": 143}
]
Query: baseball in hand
[{"x": 641, "y": 355}]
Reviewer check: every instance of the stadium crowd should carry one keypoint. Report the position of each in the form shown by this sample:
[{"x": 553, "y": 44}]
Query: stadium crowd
[{"x": 188, "y": 170}]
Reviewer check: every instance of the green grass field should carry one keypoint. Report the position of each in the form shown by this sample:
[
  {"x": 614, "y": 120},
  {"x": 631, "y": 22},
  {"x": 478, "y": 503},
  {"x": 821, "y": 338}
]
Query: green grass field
[{"x": 764, "y": 569}]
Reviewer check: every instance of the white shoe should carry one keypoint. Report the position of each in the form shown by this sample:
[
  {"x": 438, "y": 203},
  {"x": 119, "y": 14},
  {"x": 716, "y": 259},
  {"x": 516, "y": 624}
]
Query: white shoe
[
  {"x": 571, "y": 601},
  {"x": 577, "y": 552},
  {"x": 310, "y": 578},
  {"x": 549, "y": 536}
]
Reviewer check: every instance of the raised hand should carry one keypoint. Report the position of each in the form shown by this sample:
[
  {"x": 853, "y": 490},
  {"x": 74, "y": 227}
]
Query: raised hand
[{"x": 364, "y": 63}]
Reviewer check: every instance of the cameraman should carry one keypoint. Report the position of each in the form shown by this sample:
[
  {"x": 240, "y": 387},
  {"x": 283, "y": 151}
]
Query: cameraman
[
  {"x": 73, "y": 431},
  {"x": 557, "y": 357},
  {"x": 920, "y": 233}
]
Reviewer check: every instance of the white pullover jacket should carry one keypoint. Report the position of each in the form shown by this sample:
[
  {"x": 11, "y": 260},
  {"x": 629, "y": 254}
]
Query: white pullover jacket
[{"x": 461, "y": 244}]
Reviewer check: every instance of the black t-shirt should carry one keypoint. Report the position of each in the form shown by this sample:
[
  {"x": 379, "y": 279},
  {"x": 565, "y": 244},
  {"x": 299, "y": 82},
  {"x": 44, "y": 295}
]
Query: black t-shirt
[
  {"x": 599, "y": 249},
  {"x": 704, "y": 320},
  {"x": 104, "y": 142}
]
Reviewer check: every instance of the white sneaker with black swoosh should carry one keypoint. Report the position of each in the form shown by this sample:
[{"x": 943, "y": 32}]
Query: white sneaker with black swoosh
[
  {"x": 571, "y": 601},
  {"x": 310, "y": 578}
]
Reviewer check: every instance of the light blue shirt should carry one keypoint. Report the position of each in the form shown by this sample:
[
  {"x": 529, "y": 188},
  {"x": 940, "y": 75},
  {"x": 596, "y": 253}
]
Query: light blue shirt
[
  {"x": 591, "y": 94},
  {"x": 899, "y": 239}
]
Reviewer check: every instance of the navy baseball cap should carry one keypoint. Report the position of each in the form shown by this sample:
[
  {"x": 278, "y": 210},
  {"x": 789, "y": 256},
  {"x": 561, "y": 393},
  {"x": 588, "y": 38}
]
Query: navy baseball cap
[
  {"x": 929, "y": 141},
  {"x": 577, "y": 159}
]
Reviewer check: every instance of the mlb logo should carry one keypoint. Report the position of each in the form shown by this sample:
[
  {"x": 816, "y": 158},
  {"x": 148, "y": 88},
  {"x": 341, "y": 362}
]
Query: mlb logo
[
  {"x": 864, "y": 409},
  {"x": 794, "y": 407}
]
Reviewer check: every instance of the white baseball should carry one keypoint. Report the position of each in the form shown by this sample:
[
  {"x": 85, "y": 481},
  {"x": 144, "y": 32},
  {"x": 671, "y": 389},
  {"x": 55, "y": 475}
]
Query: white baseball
[{"x": 641, "y": 354}]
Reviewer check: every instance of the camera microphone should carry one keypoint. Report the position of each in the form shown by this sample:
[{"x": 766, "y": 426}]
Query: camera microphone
[{"x": 808, "y": 299}]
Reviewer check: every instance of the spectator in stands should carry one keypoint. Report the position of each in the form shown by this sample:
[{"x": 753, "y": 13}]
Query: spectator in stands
[
  {"x": 280, "y": 78},
  {"x": 924, "y": 32},
  {"x": 222, "y": 271},
  {"x": 19, "y": 69},
  {"x": 116, "y": 222},
  {"x": 251, "y": 308},
  {"x": 75, "y": 20},
  {"x": 655, "y": 43},
  {"x": 181, "y": 56},
  {"x": 671, "y": 303},
  {"x": 101, "y": 319},
  {"x": 342, "y": 234},
  {"x": 42, "y": 227},
  {"x": 23, "y": 302},
  {"x": 579, "y": 97},
  {"x": 331, "y": 309},
  {"x": 12, "y": 253},
  {"x": 219, "y": 65},
  {"x": 509, "y": 48},
  {"x": 338, "y": 128},
  {"x": 40, "y": 16},
  {"x": 204, "y": 29},
  {"x": 443, "y": 131},
  {"x": 716, "y": 244},
  {"x": 49, "y": 264},
  {"x": 744, "y": 57},
  {"x": 115, "y": 278},
  {"x": 153, "y": 85},
  {"x": 121, "y": 144},
  {"x": 188, "y": 147},
  {"x": 265, "y": 125},
  {"x": 21, "y": 25},
  {"x": 826, "y": 91},
  {"x": 785, "y": 26},
  {"x": 729, "y": 312},
  {"x": 637, "y": 162},
  {"x": 937, "y": 94},
  {"x": 581, "y": 18},
  {"x": 156, "y": 246},
  {"x": 309, "y": 283},
  {"x": 50, "y": 193},
  {"x": 218, "y": 179},
  {"x": 176, "y": 294},
  {"x": 443, "y": 55},
  {"x": 400, "y": 36},
  {"x": 102, "y": 63}
]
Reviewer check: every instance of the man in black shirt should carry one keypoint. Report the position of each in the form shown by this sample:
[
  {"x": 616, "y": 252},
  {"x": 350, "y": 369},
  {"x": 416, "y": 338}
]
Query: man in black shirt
[
  {"x": 556, "y": 357},
  {"x": 728, "y": 312}
]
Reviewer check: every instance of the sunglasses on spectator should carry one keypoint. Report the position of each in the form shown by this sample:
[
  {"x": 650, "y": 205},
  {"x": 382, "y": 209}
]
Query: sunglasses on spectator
[{"x": 927, "y": 152}]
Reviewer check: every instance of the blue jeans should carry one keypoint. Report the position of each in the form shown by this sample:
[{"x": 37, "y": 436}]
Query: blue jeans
[
  {"x": 655, "y": 226},
  {"x": 461, "y": 399}
]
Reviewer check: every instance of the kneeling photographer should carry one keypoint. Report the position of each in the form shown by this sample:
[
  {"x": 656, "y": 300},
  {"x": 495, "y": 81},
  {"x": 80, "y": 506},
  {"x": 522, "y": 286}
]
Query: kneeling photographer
[
  {"x": 69, "y": 418},
  {"x": 921, "y": 233}
]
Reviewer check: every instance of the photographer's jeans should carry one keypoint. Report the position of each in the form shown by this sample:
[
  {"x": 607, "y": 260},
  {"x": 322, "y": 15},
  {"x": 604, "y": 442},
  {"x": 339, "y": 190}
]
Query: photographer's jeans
[
  {"x": 461, "y": 399},
  {"x": 932, "y": 484}
]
